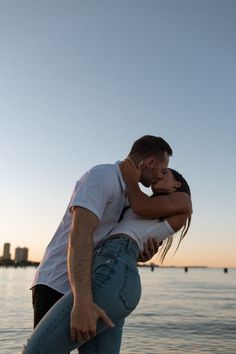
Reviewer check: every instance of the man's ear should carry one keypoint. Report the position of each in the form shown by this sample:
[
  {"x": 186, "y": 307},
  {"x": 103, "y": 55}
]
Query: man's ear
[{"x": 149, "y": 162}]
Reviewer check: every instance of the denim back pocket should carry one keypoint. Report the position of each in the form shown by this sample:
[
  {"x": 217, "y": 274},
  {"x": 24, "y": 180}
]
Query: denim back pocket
[{"x": 131, "y": 289}]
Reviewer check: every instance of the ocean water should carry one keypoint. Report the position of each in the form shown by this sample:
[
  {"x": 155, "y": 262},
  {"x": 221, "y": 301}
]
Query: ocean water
[{"x": 193, "y": 312}]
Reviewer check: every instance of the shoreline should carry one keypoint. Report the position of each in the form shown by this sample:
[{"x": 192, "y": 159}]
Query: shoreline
[{"x": 151, "y": 266}]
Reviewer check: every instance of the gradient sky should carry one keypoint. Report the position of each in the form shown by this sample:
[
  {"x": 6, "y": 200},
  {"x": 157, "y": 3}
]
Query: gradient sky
[{"x": 81, "y": 80}]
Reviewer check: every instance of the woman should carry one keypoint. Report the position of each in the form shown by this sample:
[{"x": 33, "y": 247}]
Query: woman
[
  {"x": 116, "y": 283},
  {"x": 177, "y": 206}
]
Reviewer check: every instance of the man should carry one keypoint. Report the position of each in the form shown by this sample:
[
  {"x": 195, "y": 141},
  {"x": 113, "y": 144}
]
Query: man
[{"x": 94, "y": 210}]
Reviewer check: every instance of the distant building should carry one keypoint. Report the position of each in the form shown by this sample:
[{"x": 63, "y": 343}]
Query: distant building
[
  {"x": 6, "y": 252},
  {"x": 21, "y": 254}
]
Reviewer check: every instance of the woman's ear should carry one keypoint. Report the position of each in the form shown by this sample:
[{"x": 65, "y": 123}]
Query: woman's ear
[{"x": 178, "y": 184}]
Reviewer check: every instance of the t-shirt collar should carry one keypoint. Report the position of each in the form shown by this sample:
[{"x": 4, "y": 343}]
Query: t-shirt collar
[{"x": 122, "y": 182}]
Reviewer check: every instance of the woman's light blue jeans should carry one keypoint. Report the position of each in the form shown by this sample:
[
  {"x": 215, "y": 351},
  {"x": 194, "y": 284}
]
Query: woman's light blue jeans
[{"x": 116, "y": 289}]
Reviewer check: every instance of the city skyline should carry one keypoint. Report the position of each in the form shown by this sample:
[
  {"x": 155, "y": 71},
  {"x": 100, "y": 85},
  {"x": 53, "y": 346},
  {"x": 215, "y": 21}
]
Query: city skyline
[
  {"x": 81, "y": 81},
  {"x": 150, "y": 263},
  {"x": 20, "y": 255}
]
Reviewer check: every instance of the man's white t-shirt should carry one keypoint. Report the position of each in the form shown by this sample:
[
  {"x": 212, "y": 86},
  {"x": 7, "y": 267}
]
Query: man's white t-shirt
[{"x": 100, "y": 190}]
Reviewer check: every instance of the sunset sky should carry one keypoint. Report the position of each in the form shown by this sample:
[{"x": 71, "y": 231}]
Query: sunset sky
[{"x": 81, "y": 80}]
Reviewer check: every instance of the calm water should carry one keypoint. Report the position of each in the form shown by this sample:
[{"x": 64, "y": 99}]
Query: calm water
[{"x": 179, "y": 312}]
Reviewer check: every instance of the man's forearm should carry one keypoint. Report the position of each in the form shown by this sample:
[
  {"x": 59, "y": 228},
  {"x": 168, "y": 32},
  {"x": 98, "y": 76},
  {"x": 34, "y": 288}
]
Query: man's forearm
[
  {"x": 84, "y": 313},
  {"x": 80, "y": 255}
]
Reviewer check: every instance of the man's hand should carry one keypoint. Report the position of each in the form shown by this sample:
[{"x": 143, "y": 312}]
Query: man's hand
[
  {"x": 83, "y": 321},
  {"x": 149, "y": 249}
]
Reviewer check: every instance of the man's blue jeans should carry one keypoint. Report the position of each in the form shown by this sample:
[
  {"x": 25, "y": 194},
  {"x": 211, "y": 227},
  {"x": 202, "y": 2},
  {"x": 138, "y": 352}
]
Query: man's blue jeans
[{"x": 116, "y": 289}]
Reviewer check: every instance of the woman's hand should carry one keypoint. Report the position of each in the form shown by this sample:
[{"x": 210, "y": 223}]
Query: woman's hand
[
  {"x": 150, "y": 248},
  {"x": 130, "y": 172}
]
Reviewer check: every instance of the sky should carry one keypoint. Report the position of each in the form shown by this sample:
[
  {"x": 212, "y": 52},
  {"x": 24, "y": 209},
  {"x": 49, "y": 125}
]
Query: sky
[{"x": 82, "y": 80}]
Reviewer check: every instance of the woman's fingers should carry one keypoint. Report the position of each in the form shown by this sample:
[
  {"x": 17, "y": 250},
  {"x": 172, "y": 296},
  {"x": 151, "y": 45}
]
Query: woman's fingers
[
  {"x": 150, "y": 248},
  {"x": 130, "y": 172},
  {"x": 153, "y": 246}
]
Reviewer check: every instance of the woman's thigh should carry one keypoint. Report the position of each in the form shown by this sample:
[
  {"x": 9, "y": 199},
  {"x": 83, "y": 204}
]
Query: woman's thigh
[{"x": 106, "y": 342}]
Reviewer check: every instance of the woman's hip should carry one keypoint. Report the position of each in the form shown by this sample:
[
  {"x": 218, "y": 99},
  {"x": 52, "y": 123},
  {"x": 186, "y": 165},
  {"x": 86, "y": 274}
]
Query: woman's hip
[{"x": 116, "y": 279}]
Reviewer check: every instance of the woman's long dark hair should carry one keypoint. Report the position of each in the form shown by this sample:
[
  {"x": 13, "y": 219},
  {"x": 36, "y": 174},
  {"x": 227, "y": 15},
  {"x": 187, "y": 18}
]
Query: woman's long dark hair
[{"x": 168, "y": 242}]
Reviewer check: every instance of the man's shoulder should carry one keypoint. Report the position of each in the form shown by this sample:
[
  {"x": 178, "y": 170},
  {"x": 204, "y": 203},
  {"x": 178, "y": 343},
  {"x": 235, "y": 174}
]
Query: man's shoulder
[
  {"x": 104, "y": 168},
  {"x": 101, "y": 171}
]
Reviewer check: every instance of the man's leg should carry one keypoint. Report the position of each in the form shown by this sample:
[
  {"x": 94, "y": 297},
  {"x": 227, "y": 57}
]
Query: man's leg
[{"x": 43, "y": 298}]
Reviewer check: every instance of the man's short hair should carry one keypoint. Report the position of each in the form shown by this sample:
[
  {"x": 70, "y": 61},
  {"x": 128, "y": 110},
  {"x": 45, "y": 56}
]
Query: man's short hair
[{"x": 150, "y": 145}]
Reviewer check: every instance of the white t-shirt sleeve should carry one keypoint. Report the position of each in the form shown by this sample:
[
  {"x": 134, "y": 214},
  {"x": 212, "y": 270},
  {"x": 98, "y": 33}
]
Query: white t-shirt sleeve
[
  {"x": 93, "y": 191},
  {"x": 163, "y": 230}
]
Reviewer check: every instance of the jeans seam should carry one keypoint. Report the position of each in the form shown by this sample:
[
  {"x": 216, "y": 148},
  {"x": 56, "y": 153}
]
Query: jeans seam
[{"x": 123, "y": 287}]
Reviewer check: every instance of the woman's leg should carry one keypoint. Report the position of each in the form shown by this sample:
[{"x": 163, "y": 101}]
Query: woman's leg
[
  {"x": 116, "y": 288},
  {"x": 106, "y": 342}
]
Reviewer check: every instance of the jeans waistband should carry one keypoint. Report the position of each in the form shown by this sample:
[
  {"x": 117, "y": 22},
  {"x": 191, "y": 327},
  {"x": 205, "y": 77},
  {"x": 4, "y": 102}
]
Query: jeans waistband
[{"x": 120, "y": 244}]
